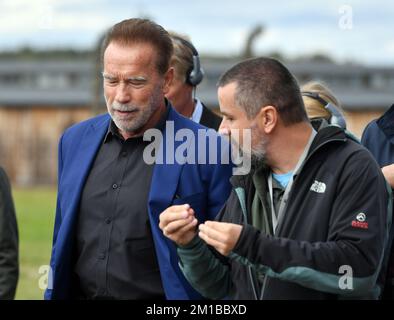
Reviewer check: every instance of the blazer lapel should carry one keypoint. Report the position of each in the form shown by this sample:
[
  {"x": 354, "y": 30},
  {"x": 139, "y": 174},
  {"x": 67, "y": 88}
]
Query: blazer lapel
[
  {"x": 166, "y": 175},
  {"x": 82, "y": 161},
  {"x": 74, "y": 175},
  {"x": 385, "y": 123}
]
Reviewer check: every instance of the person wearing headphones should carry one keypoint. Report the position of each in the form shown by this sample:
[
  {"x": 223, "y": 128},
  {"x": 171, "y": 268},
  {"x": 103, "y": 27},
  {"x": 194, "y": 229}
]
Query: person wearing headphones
[
  {"x": 321, "y": 106},
  {"x": 188, "y": 75}
]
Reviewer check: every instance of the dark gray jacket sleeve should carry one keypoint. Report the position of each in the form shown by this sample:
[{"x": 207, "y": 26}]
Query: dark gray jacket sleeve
[
  {"x": 9, "y": 266},
  {"x": 205, "y": 272}
]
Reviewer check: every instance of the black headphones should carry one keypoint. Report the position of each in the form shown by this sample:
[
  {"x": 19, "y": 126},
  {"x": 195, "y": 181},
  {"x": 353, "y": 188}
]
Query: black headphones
[
  {"x": 195, "y": 74},
  {"x": 337, "y": 117}
]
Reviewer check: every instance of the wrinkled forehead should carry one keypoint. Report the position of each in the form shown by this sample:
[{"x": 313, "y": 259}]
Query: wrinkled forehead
[{"x": 119, "y": 56}]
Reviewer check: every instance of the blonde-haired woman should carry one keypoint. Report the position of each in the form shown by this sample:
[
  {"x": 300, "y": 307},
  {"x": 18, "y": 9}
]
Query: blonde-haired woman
[{"x": 321, "y": 105}]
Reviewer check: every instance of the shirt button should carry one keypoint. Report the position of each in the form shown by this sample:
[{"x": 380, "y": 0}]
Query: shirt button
[
  {"x": 101, "y": 256},
  {"x": 108, "y": 221},
  {"x": 114, "y": 186}
]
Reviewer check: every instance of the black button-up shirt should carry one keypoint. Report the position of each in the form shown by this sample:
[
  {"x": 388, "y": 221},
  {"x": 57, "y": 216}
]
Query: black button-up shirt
[{"x": 115, "y": 253}]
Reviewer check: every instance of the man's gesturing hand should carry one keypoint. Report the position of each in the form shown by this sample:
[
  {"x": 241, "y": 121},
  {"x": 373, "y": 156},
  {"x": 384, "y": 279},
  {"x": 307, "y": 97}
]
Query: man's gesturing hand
[
  {"x": 178, "y": 224},
  {"x": 220, "y": 235}
]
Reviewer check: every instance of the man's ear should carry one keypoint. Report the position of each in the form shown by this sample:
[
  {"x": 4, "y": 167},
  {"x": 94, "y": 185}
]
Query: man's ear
[
  {"x": 267, "y": 119},
  {"x": 168, "y": 78}
]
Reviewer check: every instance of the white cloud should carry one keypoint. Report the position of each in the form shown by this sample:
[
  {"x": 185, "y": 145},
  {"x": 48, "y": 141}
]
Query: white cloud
[{"x": 389, "y": 47}]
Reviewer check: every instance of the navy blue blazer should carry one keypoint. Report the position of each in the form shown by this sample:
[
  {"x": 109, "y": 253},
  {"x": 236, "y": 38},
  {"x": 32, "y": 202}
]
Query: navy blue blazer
[{"x": 378, "y": 137}]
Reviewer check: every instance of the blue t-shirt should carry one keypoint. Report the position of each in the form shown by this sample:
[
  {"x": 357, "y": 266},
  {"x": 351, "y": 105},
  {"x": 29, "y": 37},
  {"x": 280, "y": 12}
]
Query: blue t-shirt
[{"x": 283, "y": 179}]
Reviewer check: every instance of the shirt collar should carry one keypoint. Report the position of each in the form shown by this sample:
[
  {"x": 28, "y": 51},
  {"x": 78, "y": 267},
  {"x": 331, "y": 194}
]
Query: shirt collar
[
  {"x": 276, "y": 185},
  {"x": 197, "y": 113},
  {"x": 304, "y": 155}
]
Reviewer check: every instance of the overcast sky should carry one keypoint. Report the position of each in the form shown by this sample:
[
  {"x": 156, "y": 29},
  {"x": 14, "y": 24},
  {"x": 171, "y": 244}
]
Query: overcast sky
[{"x": 361, "y": 31}]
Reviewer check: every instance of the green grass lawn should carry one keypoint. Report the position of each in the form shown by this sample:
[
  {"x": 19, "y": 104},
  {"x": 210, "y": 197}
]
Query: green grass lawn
[{"x": 35, "y": 209}]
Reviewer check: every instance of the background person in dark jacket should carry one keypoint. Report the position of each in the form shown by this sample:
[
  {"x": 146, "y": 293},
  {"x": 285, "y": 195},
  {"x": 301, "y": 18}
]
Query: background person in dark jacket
[
  {"x": 188, "y": 74},
  {"x": 323, "y": 108},
  {"x": 378, "y": 137},
  {"x": 9, "y": 269},
  {"x": 311, "y": 221}
]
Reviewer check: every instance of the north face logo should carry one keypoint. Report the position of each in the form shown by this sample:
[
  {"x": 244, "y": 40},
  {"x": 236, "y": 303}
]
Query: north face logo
[{"x": 319, "y": 187}]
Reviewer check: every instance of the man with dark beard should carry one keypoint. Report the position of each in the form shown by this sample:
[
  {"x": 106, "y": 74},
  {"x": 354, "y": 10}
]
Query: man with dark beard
[
  {"x": 309, "y": 222},
  {"x": 107, "y": 244}
]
